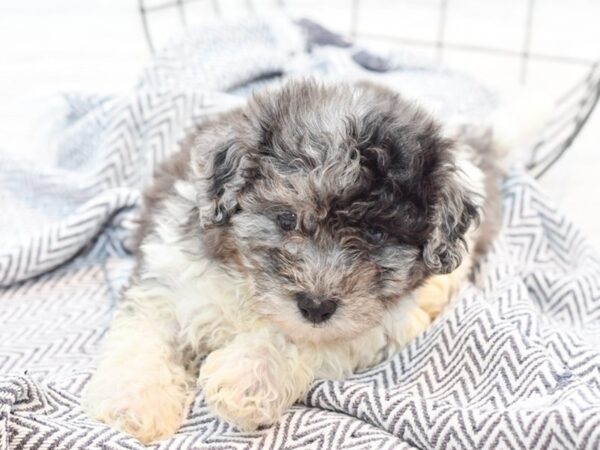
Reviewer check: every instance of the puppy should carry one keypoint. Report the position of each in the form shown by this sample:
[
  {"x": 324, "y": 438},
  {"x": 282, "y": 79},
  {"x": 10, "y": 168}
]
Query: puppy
[{"x": 310, "y": 234}]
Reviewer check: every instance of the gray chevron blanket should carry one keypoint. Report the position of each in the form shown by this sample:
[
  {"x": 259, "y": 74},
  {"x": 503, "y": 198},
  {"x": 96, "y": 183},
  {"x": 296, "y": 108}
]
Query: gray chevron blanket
[{"x": 513, "y": 363}]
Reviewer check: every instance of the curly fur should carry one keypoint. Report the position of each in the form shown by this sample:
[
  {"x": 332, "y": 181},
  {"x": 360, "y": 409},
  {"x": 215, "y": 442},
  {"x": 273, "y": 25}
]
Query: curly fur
[{"x": 385, "y": 210}]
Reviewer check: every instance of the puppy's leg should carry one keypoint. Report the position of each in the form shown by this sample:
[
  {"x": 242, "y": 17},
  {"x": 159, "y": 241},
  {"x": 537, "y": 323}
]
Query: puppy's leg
[
  {"x": 439, "y": 289},
  {"x": 414, "y": 314},
  {"x": 402, "y": 324},
  {"x": 254, "y": 379},
  {"x": 140, "y": 386}
]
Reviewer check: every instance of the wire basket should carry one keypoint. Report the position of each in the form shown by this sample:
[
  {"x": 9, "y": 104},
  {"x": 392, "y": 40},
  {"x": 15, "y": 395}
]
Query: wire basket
[{"x": 572, "y": 111}]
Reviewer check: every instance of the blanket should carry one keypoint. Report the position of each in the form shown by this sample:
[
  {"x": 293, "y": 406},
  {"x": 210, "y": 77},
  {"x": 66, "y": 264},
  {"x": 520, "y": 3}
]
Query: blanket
[{"x": 513, "y": 362}]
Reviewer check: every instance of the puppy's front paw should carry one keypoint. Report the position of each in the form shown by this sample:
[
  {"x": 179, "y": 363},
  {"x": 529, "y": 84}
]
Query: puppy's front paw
[
  {"x": 252, "y": 382},
  {"x": 147, "y": 407}
]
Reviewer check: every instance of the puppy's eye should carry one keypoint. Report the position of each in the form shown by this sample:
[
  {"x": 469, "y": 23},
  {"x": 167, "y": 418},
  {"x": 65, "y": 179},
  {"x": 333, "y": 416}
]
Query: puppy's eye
[
  {"x": 287, "y": 221},
  {"x": 375, "y": 235}
]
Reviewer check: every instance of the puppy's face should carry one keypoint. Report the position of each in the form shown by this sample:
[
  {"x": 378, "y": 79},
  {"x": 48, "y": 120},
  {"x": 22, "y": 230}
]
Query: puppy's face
[{"x": 335, "y": 202}]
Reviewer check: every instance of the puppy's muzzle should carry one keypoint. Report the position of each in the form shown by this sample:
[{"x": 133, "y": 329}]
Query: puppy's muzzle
[{"x": 314, "y": 308}]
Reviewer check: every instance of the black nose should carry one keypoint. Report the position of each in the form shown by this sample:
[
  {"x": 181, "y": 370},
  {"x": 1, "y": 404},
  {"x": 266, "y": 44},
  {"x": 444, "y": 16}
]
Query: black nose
[{"x": 315, "y": 309}]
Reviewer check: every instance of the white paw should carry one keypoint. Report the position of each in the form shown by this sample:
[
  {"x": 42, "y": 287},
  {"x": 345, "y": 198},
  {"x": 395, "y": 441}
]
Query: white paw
[
  {"x": 416, "y": 321},
  {"x": 437, "y": 291},
  {"x": 150, "y": 407},
  {"x": 252, "y": 381},
  {"x": 403, "y": 324}
]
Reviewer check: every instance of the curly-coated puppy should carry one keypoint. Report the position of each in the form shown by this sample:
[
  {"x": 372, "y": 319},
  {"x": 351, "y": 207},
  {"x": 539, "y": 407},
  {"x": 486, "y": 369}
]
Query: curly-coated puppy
[{"x": 310, "y": 234}]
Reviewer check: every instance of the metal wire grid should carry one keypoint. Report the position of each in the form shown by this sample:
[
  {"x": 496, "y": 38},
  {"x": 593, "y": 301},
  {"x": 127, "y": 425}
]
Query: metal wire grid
[
  {"x": 440, "y": 43},
  {"x": 525, "y": 54},
  {"x": 180, "y": 5},
  {"x": 572, "y": 110}
]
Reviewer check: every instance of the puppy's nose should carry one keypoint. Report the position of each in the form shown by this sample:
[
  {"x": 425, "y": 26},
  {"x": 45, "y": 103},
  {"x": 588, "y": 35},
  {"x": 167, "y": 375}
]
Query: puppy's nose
[{"x": 315, "y": 309}]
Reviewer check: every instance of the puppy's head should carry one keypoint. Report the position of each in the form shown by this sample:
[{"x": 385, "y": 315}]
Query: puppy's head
[{"x": 334, "y": 201}]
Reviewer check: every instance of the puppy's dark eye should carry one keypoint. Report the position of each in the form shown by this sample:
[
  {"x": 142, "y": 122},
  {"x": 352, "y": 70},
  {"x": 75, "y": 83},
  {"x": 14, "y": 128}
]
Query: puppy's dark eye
[
  {"x": 375, "y": 235},
  {"x": 287, "y": 221}
]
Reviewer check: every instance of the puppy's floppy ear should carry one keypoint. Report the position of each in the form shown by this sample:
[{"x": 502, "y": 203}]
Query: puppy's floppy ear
[
  {"x": 226, "y": 170},
  {"x": 456, "y": 208}
]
